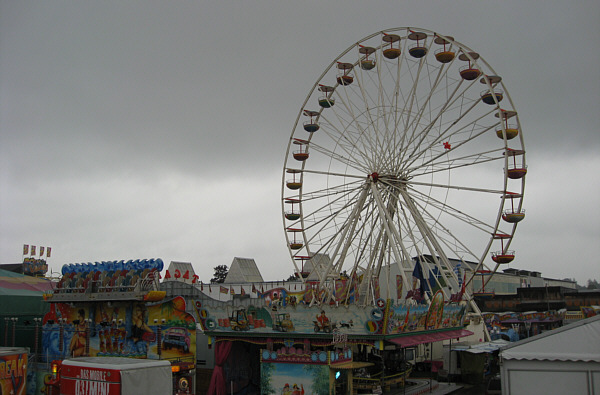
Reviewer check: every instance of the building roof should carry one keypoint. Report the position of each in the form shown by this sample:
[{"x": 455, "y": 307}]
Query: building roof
[
  {"x": 579, "y": 341},
  {"x": 243, "y": 270}
]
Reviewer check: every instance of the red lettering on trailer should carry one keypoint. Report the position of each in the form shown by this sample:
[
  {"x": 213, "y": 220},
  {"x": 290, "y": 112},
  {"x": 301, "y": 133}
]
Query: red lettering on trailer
[{"x": 85, "y": 387}]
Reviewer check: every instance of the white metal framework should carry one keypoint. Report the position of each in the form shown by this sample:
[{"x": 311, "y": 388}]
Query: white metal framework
[{"x": 407, "y": 145}]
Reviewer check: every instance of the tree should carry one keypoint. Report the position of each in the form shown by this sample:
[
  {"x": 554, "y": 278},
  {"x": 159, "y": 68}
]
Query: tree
[
  {"x": 220, "y": 274},
  {"x": 592, "y": 284},
  {"x": 292, "y": 278}
]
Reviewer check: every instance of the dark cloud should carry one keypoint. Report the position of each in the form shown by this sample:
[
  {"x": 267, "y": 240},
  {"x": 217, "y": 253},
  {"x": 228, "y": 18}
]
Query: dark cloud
[{"x": 130, "y": 129}]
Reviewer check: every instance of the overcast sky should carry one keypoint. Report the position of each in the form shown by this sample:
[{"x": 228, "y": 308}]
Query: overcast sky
[{"x": 148, "y": 129}]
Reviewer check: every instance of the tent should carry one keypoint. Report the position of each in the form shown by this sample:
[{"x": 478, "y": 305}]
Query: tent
[
  {"x": 21, "y": 297},
  {"x": 562, "y": 361}
]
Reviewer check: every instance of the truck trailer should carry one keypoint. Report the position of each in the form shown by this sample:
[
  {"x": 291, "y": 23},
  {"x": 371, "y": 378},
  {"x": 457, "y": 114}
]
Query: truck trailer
[{"x": 112, "y": 376}]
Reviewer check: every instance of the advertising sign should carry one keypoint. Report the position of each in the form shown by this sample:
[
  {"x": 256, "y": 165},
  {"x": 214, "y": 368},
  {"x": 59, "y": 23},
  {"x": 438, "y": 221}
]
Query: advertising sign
[{"x": 13, "y": 371}]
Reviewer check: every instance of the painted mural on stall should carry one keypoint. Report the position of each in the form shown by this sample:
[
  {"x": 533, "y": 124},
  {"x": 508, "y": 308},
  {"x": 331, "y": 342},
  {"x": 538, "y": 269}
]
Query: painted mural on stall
[
  {"x": 128, "y": 329},
  {"x": 294, "y": 379},
  {"x": 280, "y": 311},
  {"x": 13, "y": 373}
]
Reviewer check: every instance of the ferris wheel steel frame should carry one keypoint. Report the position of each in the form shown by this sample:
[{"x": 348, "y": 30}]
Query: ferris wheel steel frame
[{"x": 367, "y": 180}]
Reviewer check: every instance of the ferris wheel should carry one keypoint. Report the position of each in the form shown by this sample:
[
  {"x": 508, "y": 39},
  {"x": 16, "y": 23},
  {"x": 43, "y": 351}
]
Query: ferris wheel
[{"x": 407, "y": 146}]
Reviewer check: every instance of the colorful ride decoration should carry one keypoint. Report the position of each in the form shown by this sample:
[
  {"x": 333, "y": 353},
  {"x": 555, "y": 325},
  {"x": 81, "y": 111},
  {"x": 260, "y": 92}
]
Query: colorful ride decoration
[
  {"x": 119, "y": 328},
  {"x": 279, "y": 311},
  {"x": 298, "y": 370},
  {"x": 33, "y": 266},
  {"x": 140, "y": 276}
]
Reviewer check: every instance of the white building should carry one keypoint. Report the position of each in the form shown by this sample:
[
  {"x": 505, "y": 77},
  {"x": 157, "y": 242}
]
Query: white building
[{"x": 562, "y": 361}]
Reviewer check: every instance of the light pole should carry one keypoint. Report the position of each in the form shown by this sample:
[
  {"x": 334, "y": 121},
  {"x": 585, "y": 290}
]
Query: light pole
[
  {"x": 88, "y": 322},
  {"x": 37, "y": 321},
  {"x": 14, "y": 321},
  {"x": 6, "y": 319}
]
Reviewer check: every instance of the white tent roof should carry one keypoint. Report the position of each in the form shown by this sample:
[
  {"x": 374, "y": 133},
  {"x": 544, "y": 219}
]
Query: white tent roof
[
  {"x": 479, "y": 348},
  {"x": 183, "y": 267},
  {"x": 317, "y": 266},
  {"x": 579, "y": 341},
  {"x": 243, "y": 270}
]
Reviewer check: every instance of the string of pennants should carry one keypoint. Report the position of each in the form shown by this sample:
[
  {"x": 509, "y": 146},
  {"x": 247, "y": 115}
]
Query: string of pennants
[{"x": 224, "y": 290}]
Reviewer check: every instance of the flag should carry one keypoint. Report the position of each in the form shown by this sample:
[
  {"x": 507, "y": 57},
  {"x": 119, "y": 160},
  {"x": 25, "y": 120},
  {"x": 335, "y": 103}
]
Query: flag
[
  {"x": 25, "y": 249},
  {"x": 231, "y": 291},
  {"x": 418, "y": 275},
  {"x": 32, "y": 250},
  {"x": 48, "y": 252},
  {"x": 41, "y": 251},
  {"x": 242, "y": 292},
  {"x": 223, "y": 290},
  {"x": 201, "y": 286},
  {"x": 254, "y": 289}
]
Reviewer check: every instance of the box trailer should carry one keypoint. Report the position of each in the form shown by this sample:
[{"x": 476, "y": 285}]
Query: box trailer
[{"x": 114, "y": 376}]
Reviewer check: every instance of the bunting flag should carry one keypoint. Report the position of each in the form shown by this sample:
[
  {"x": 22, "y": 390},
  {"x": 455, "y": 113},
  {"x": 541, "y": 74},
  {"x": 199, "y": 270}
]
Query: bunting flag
[
  {"x": 231, "y": 291},
  {"x": 254, "y": 288},
  {"x": 242, "y": 292},
  {"x": 48, "y": 252},
  {"x": 223, "y": 290},
  {"x": 376, "y": 288},
  {"x": 25, "y": 249},
  {"x": 32, "y": 250},
  {"x": 201, "y": 286},
  {"x": 209, "y": 288},
  {"x": 41, "y": 251}
]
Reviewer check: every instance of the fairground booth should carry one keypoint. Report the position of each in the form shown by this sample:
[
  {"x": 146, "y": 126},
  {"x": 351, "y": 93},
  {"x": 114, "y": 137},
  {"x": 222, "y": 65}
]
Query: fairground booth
[
  {"x": 115, "y": 309},
  {"x": 297, "y": 342}
]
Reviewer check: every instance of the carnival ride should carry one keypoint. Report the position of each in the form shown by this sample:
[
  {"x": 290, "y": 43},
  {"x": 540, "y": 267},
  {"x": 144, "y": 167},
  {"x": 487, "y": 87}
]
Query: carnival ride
[{"x": 411, "y": 147}]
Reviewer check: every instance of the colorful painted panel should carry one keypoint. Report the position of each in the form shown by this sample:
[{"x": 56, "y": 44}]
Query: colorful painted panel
[
  {"x": 13, "y": 373},
  {"x": 128, "y": 329},
  {"x": 270, "y": 315},
  {"x": 294, "y": 379}
]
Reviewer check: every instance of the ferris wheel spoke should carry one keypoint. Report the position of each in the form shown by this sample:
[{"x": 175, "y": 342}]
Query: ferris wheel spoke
[
  {"x": 458, "y": 187},
  {"x": 455, "y": 213},
  {"x": 481, "y": 225},
  {"x": 449, "y": 131},
  {"x": 431, "y": 167},
  {"x": 333, "y": 174},
  {"x": 443, "y": 108},
  {"x": 402, "y": 254},
  {"x": 349, "y": 147},
  {"x": 412, "y": 123}
]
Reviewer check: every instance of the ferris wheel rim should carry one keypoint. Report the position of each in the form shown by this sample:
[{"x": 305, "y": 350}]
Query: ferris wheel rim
[{"x": 490, "y": 81}]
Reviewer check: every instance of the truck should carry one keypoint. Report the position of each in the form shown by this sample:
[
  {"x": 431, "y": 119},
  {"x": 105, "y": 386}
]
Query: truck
[
  {"x": 111, "y": 376},
  {"x": 238, "y": 321}
]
